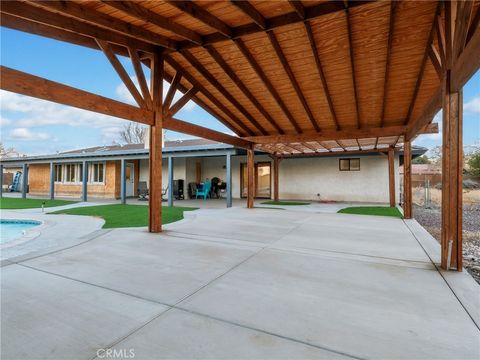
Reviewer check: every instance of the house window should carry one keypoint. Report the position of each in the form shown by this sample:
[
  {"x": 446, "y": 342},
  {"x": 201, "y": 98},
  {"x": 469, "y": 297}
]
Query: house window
[
  {"x": 58, "y": 173},
  {"x": 349, "y": 164},
  {"x": 69, "y": 173},
  {"x": 80, "y": 173},
  {"x": 98, "y": 172}
]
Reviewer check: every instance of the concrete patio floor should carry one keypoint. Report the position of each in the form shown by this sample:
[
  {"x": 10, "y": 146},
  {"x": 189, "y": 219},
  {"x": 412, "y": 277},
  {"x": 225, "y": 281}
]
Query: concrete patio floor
[{"x": 239, "y": 283}]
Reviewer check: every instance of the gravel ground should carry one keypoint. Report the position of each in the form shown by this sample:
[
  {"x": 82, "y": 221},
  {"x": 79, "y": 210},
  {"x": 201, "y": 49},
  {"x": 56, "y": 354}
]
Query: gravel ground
[{"x": 430, "y": 219}]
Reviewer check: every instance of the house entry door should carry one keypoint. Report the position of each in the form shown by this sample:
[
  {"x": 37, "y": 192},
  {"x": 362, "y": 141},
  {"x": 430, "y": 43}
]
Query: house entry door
[{"x": 129, "y": 179}]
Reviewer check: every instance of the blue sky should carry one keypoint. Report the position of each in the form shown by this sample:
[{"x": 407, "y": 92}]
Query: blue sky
[{"x": 34, "y": 126}]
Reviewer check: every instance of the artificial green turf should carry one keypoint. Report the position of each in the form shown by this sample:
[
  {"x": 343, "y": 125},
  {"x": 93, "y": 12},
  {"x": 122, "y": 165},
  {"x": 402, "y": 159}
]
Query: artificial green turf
[
  {"x": 284, "y": 203},
  {"x": 19, "y": 203},
  {"x": 119, "y": 215},
  {"x": 372, "y": 210}
]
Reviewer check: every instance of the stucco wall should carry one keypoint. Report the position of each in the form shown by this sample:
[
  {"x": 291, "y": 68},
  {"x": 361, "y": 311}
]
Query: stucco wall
[{"x": 301, "y": 178}]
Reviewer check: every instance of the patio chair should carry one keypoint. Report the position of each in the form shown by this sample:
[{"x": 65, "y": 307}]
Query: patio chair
[
  {"x": 142, "y": 191},
  {"x": 204, "y": 191}
]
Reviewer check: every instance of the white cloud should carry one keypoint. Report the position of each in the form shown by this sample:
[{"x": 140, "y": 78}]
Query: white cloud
[
  {"x": 36, "y": 112},
  {"x": 4, "y": 121},
  {"x": 110, "y": 134},
  {"x": 25, "y": 134},
  {"x": 125, "y": 96},
  {"x": 473, "y": 106}
]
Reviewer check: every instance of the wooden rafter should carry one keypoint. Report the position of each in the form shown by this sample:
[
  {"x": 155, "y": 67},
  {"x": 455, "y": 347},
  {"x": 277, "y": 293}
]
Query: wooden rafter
[
  {"x": 28, "y": 26},
  {"x": 312, "y": 12},
  {"x": 435, "y": 59},
  {"x": 202, "y": 15},
  {"x": 474, "y": 24},
  {"x": 122, "y": 73},
  {"x": 391, "y": 29},
  {"x": 81, "y": 13},
  {"x": 131, "y": 8},
  {"x": 40, "y": 15},
  {"x": 214, "y": 82},
  {"x": 352, "y": 62},
  {"x": 298, "y": 8},
  {"x": 318, "y": 64},
  {"x": 209, "y": 96},
  {"x": 172, "y": 90},
  {"x": 421, "y": 71},
  {"x": 467, "y": 63},
  {"x": 249, "y": 10},
  {"x": 243, "y": 88},
  {"x": 331, "y": 135},
  {"x": 462, "y": 21},
  {"x": 440, "y": 33},
  {"x": 137, "y": 66},
  {"x": 291, "y": 76},
  {"x": 271, "y": 89},
  {"x": 182, "y": 101}
]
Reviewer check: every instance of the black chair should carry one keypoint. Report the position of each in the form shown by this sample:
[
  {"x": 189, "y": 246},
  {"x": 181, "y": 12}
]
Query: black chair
[{"x": 142, "y": 191}]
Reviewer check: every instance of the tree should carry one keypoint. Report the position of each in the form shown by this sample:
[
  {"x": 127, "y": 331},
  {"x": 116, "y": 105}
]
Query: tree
[
  {"x": 474, "y": 164},
  {"x": 421, "y": 160},
  {"x": 133, "y": 133},
  {"x": 8, "y": 152}
]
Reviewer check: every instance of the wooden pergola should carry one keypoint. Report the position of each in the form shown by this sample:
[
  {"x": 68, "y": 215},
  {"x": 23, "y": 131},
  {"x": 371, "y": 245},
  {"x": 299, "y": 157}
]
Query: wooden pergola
[{"x": 290, "y": 78}]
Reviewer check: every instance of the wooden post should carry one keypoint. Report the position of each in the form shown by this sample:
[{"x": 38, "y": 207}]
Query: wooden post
[
  {"x": 250, "y": 177},
  {"x": 276, "y": 171},
  {"x": 391, "y": 175},
  {"x": 155, "y": 163},
  {"x": 24, "y": 181},
  {"x": 452, "y": 165},
  {"x": 52, "y": 180},
  {"x": 229, "y": 179},
  {"x": 407, "y": 179},
  {"x": 123, "y": 183},
  {"x": 85, "y": 181},
  {"x": 170, "y": 181}
]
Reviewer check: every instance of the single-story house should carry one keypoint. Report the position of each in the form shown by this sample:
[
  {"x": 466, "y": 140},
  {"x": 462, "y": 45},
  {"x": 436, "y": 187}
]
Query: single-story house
[{"x": 338, "y": 176}]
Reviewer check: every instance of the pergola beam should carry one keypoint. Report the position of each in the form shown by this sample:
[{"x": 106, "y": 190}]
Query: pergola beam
[
  {"x": 191, "y": 79},
  {"x": 214, "y": 82},
  {"x": 202, "y": 15},
  {"x": 283, "y": 60},
  {"x": 311, "y": 13},
  {"x": 39, "y": 15},
  {"x": 243, "y": 88},
  {"x": 97, "y": 18},
  {"x": 31, "y": 85},
  {"x": 133, "y": 9},
  {"x": 330, "y": 135},
  {"x": 271, "y": 89},
  {"x": 391, "y": 29},
  {"x": 249, "y": 10}
]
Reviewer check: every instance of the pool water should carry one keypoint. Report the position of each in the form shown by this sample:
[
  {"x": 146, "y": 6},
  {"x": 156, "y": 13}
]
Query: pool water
[{"x": 14, "y": 229}]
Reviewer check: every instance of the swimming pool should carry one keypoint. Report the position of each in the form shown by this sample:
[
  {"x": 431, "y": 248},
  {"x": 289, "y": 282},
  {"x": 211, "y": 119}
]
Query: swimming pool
[{"x": 11, "y": 229}]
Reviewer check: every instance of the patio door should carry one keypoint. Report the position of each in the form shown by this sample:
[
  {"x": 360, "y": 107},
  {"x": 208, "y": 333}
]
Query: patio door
[
  {"x": 262, "y": 177},
  {"x": 129, "y": 179}
]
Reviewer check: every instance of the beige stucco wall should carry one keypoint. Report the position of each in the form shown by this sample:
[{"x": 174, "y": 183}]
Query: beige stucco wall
[{"x": 301, "y": 178}]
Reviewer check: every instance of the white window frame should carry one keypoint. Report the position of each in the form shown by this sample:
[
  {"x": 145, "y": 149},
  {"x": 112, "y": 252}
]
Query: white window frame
[
  {"x": 91, "y": 172},
  {"x": 67, "y": 170},
  {"x": 58, "y": 166}
]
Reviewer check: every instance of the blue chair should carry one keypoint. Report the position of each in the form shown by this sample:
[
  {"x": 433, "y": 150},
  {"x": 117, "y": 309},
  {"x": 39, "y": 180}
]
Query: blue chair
[{"x": 204, "y": 191}]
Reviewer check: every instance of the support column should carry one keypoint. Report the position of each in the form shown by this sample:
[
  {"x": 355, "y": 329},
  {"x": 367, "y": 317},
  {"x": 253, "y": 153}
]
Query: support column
[
  {"x": 24, "y": 181},
  {"x": 250, "y": 177},
  {"x": 276, "y": 172},
  {"x": 123, "y": 182},
  {"x": 1, "y": 180},
  {"x": 52, "y": 181},
  {"x": 84, "y": 181},
  {"x": 155, "y": 163},
  {"x": 452, "y": 166},
  {"x": 170, "y": 181},
  {"x": 391, "y": 175},
  {"x": 407, "y": 179},
  {"x": 229, "y": 179}
]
